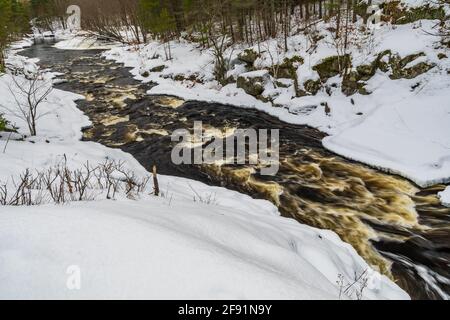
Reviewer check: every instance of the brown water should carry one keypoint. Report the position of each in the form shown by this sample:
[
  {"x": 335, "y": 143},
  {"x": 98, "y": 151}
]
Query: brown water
[{"x": 396, "y": 227}]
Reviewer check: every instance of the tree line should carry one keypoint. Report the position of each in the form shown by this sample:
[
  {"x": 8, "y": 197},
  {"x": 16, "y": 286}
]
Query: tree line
[
  {"x": 248, "y": 21},
  {"x": 14, "y": 21}
]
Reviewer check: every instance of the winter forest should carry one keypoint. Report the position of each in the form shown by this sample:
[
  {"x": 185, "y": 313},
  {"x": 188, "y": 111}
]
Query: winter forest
[{"x": 225, "y": 149}]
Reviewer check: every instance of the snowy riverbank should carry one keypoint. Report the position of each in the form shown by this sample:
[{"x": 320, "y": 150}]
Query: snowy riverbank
[
  {"x": 402, "y": 126},
  {"x": 155, "y": 247}
]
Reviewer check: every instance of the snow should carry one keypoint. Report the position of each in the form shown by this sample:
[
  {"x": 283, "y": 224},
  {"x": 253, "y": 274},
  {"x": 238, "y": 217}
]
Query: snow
[
  {"x": 395, "y": 128},
  {"x": 156, "y": 247},
  {"x": 255, "y": 74},
  {"x": 410, "y": 137},
  {"x": 445, "y": 197},
  {"x": 83, "y": 43}
]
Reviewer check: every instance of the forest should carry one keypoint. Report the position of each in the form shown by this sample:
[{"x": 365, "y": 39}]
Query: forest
[{"x": 203, "y": 21}]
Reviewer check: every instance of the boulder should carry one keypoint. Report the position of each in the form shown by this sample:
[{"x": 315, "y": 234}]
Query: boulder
[
  {"x": 312, "y": 86},
  {"x": 288, "y": 68},
  {"x": 367, "y": 71},
  {"x": 350, "y": 83},
  {"x": 332, "y": 66},
  {"x": 248, "y": 56},
  {"x": 253, "y": 83},
  {"x": 158, "y": 68}
]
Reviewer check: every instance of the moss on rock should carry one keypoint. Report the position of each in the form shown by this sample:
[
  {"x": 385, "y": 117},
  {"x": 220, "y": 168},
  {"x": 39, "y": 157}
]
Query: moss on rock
[
  {"x": 312, "y": 86},
  {"x": 158, "y": 68},
  {"x": 253, "y": 82},
  {"x": 248, "y": 56},
  {"x": 398, "y": 65},
  {"x": 288, "y": 68},
  {"x": 332, "y": 66}
]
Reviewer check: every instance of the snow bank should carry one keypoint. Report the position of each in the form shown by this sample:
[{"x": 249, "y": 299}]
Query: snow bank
[
  {"x": 445, "y": 197},
  {"x": 170, "y": 247},
  {"x": 83, "y": 43},
  {"x": 154, "y": 249},
  {"x": 410, "y": 138}
]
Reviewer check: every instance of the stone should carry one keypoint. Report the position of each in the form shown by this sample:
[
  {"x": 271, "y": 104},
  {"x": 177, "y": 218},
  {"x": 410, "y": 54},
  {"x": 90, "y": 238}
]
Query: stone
[
  {"x": 248, "y": 56},
  {"x": 399, "y": 71},
  {"x": 288, "y": 68},
  {"x": 253, "y": 83},
  {"x": 312, "y": 86},
  {"x": 158, "y": 68},
  {"x": 367, "y": 71},
  {"x": 332, "y": 66}
]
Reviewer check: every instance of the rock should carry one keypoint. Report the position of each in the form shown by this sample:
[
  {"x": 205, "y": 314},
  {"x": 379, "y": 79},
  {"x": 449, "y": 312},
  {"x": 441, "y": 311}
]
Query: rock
[
  {"x": 417, "y": 70},
  {"x": 442, "y": 56},
  {"x": 367, "y": 71},
  {"x": 158, "y": 68},
  {"x": 284, "y": 83},
  {"x": 410, "y": 58},
  {"x": 399, "y": 71},
  {"x": 182, "y": 77},
  {"x": 380, "y": 61},
  {"x": 253, "y": 82},
  {"x": 312, "y": 86},
  {"x": 351, "y": 84},
  {"x": 145, "y": 73},
  {"x": 332, "y": 66},
  {"x": 403, "y": 15},
  {"x": 248, "y": 56},
  {"x": 288, "y": 69},
  {"x": 446, "y": 43}
]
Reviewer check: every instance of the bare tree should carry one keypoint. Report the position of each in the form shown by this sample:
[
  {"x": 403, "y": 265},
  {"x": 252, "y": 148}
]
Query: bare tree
[{"x": 29, "y": 89}]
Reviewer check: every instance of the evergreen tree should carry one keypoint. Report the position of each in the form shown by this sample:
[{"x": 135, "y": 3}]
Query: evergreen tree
[{"x": 13, "y": 23}]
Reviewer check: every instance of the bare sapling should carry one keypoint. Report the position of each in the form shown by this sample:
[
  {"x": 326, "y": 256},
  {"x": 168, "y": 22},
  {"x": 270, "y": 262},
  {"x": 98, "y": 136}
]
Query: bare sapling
[{"x": 29, "y": 90}]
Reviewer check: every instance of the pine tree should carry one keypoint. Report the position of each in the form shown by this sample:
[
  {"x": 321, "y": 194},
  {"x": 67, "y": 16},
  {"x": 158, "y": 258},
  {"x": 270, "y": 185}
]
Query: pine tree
[{"x": 5, "y": 29}]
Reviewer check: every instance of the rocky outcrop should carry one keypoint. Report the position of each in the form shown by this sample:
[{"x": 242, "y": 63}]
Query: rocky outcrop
[
  {"x": 352, "y": 83},
  {"x": 400, "y": 14},
  {"x": 332, "y": 66},
  {"x": 288, "y": 68},
  {"x": 248, "y": 56},
  {"x": 253, "y": 83},
  {"x": 398, "y": 66}
]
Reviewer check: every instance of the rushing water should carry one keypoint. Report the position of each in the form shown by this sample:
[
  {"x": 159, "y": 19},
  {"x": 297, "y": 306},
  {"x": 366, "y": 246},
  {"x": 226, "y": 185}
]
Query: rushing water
[{"x": 396, "y": 227}]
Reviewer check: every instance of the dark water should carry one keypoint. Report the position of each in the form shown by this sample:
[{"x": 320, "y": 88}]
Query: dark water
[{"x": 396, "y": 227}]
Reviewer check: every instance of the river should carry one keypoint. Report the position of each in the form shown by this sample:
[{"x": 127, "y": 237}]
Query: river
[{"x": 398, "y": 228}]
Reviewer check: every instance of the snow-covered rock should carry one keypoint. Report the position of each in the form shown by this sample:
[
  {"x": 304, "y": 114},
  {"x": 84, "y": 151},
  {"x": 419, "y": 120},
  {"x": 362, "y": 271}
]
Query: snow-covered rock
[{"x": 253, "y": 83}]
